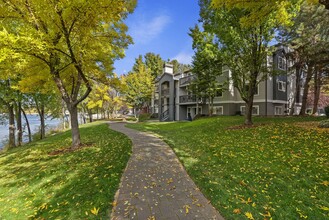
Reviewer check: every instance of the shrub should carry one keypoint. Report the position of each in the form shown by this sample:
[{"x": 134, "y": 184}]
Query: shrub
[
  {"x": 131, "y": 119},
  {"x": 324, "y": 124},
  {"x": 326, "y": 110},
  {"x": 144, "y": 117}
]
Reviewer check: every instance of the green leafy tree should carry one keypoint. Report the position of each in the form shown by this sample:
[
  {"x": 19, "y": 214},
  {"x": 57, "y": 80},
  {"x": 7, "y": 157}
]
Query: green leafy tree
[
  {"x": 76, "y": 41},
  {"x": 207, "y": 66},
  {"x": 155, "y": 63},
  {"x": 152, "y": 61},
  {"x": 245, "y": 47},
  {"x": 308, "y": 37},
  {"x": 179, "y": 67},
  {"x": 137, "y": 87},
  {"x": 7, "y": 99}
]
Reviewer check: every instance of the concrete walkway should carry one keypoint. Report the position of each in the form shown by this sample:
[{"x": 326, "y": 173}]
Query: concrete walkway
[{"x": 155, "y": 186}]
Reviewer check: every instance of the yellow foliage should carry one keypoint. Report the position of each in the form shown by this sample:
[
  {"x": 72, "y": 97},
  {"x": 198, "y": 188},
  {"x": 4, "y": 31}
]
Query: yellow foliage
[{"x": 276, "y": 11}]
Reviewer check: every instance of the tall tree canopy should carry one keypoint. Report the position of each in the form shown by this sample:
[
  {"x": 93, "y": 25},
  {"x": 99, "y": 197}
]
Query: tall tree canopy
[
  {"x": 206, "y": 65},
  {"x": 137, "y": 86},
  {"x": 244, "y": 43},
  {"x": 281, "y": 11},
  {"x": 308, "y": 36},
  {"x": 77, "y": 41},
  {"x": 259, "y": 11}
]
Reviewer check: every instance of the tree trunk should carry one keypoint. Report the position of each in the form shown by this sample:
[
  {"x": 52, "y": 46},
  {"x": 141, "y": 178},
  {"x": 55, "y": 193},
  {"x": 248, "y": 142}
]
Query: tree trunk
[
  {"x": 90, "y": 113},
  {"x": 11, "y": 142},
  {"x": 209, "y": 108},
  {"x": 292, "y": 107},
  {"x": 76, "y": 141},
  {"x": 41, "y": 112},
  {"x": 42, "y": 122},
  {"x": 248, "y": 114},
  {"x": 296, "y": 92},
  {"x": 27, "y": 125},
  {"x": 317, "y": 89},
  {"x": 19, "y": 124},
  {"x": 306, "y": 88}
]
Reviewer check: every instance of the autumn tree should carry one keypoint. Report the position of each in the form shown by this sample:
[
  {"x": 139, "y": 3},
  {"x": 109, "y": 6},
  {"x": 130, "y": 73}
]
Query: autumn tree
[
  {"x": 260, "y": 10},
  {"x": 9, "y": 96},
  {"x": 76, "y": 40},
  {"x": 99, "y": 98}
]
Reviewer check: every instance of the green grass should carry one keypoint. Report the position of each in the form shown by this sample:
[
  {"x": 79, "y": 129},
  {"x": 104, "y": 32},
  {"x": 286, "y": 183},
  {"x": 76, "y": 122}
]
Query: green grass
[
  {"x": 279, "y": 169},
  {"x": 36, "y": 185}
]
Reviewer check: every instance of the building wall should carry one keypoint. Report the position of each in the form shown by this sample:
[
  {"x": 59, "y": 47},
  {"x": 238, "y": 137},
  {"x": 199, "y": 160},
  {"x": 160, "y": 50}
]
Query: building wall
[{"x": 268, "y": 98}]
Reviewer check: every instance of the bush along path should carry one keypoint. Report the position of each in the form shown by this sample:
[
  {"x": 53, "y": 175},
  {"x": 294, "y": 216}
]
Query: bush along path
[{"x": 155, "y": 184}]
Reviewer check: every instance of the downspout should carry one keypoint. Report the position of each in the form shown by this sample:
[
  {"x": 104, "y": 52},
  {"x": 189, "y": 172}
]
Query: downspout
[{"x": 287, "y": 87}]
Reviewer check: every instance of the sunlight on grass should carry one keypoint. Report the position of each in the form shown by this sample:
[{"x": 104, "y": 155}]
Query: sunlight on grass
[
  {"x": 277, "y": 169},
  {"x": 36, "y": 185}
]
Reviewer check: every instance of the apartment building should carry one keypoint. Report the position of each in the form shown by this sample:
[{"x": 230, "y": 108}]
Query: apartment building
[{"x": 274, "y": 96}]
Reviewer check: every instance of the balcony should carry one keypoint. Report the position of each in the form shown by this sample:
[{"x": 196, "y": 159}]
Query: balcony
[
  {"x": 165, "y": 92},
  {"x": 186, "y": 80},
  {"x": 187, "y": 98}
]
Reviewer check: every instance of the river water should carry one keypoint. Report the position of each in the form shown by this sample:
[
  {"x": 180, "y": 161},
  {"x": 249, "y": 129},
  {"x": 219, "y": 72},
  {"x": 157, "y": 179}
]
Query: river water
[{"x": 34, "y": 124}]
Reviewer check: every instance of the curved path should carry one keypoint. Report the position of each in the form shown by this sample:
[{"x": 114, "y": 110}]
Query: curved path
[{"x": 155, "y": 185}]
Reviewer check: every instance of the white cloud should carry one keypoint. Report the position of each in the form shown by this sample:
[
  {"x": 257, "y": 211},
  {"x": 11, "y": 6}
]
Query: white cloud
[
  {"x": 184, "y": 57},
  {"x": 145, "y": 31}
]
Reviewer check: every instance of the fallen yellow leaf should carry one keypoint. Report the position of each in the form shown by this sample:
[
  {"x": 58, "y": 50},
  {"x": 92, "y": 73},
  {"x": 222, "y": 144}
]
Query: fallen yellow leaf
[
  {"x": 324, "y": 208},
  {"x": 237, "y": 211},
  {"x": 187, "y": 207},
  {"x": 94, "y": 211},
  {"x": 325, "y": 183},
  {"x": 249, "y": 215}
]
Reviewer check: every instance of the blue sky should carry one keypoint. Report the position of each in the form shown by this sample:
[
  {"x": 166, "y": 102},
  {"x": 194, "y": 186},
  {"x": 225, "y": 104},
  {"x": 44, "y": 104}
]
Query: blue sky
[{"x": 161, "y": 27}]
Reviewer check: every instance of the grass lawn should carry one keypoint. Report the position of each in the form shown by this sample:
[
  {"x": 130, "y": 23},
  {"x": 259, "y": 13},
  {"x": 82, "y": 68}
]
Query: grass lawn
[
  {"x": 73, "y": 185},
  {"x": 278, "y": 169}
]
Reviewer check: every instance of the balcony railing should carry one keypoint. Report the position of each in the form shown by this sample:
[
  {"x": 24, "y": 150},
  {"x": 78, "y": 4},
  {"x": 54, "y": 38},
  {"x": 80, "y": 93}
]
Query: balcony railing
[
  {"x": 190, "y": 99},
  {"x": 186, "y": 80},
  {"x": 187, "y": 98}
]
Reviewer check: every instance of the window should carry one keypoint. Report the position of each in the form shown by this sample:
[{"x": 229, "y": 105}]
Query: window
[
  {"x": 218, "y": 110},
  {"x": 282, "y": 86},
  {"x": 278, "y": 110},
  {"x": 246, "y": 88},
  {"x": 281, "y": 63},
  {"x": 255, "y": 110}
]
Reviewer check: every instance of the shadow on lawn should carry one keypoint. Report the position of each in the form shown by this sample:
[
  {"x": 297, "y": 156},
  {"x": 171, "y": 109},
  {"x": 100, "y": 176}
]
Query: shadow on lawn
[{"x": 70, "y": 185}]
